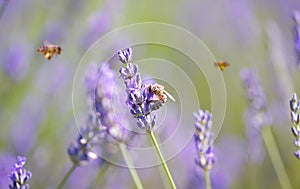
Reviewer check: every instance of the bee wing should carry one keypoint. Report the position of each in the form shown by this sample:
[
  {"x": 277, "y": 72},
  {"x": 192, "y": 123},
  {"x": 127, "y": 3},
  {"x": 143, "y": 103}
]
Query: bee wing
[
  {"x": 170, "y": 96},
  {"x": 47, "y": 43}
]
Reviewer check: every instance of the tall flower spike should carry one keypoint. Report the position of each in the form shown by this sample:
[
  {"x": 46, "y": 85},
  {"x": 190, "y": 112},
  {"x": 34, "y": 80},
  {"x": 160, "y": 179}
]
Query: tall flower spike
[
  {"x": 296, "y": 17},
  {"x": 142, "y": 99},
  {"x": 19, "y": 176},
  {"x": 203, "y": 140},
  {"x": 104, "y": 89},
  {"x": 295, "y": 119},
  {"x": 256, "y": 115}
]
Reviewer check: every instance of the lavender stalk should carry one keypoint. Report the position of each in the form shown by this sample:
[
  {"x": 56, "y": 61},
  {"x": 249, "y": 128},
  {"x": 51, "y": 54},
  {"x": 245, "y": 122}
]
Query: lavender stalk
[
  {"x": 130, "y": 165},
  {"x": 103, "y": 88},
  {"x": 203, "y": 140},
  {"x": 296, "y": 18},
  {"x": 260, "y": 119},
  {"x": 79, "y": 151},
  {"x": 143, "y": 100},
  {"x": 67, "y": 176},
  {"x": 99, "y": 179}
]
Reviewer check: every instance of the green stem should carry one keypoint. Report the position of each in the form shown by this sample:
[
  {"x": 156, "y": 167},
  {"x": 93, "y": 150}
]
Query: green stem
[
  {"x": 162, "y": 159},
  {"x": 100, "y": 177},
  {"x": 207, "y": 179},
  {"x": 66, "y": 177},
  {"x": 130, "y": 165},
  {"x": 163, "y": 176},
  {"x": 275, "y": 158}
]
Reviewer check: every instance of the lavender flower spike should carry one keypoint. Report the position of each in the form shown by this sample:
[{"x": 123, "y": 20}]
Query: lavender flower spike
[
  {"x": 142, "y": 99},
  {"x": 19, "y": 176},
  {"x": 296, "y": 17},
  {"x": 295, "y": 118},
  {"x": 110, "y": 117},
  {"x": 204, "y": 139},
  {"x": 256, "y": 117}
]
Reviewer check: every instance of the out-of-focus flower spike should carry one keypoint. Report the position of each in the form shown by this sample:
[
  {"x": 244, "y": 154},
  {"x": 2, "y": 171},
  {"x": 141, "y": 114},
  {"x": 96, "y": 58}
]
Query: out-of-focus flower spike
[
  {"x": 110, "y": 117},
  {"x": 257, "y": 115},
  {"x": 296, "y": 18}
]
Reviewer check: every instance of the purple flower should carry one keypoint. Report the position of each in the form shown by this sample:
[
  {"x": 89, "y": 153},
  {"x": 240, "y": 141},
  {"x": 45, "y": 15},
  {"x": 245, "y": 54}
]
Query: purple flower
[
  {"x": 254, "y": 91},
  {"x": 296, "y": 17},
  {"x": 6, "y": 160},
  {"x": 19, "y": 176},
  {"x": 203, "y": 140},
  {"x": 231, "y": 149},
  {"x": 80, "y": 151},
  {"x": 104, "y": 120},
  {"x": 295, "y": 118},
  {"x": 125, "y": 55},
  {"x": 141, "y": 99},
  {"x": 256, "y": 115},
  {"x": 105, "y": 93}
]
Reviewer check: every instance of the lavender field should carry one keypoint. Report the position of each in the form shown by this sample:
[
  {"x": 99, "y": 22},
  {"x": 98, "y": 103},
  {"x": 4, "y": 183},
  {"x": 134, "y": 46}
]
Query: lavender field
[{"x": 149, "y": 94}]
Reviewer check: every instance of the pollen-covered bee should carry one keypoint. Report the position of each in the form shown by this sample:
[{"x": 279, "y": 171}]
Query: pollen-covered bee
[
  {"x": 159, "y": 91},
  {"x": 222, "y": 64},
  {"x": 49, "y": 50}
]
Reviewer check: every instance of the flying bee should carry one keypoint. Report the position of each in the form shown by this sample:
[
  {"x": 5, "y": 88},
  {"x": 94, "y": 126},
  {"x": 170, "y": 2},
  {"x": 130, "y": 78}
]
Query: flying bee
[
  {"x": 222, "y": 64},
  {"x": 159, "y": 91},
  {"x": 49, "y": 50}
]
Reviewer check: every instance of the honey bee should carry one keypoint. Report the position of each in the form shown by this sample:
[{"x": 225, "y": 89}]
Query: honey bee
[
  {"x": 49, "y": 50},
  {"x": 159, "y": 91},
  {"x": 222, "y": 64}
]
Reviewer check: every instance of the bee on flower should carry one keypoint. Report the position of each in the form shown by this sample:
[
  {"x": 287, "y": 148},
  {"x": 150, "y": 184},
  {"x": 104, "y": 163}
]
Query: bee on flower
[{"x": 160, "y": 92}]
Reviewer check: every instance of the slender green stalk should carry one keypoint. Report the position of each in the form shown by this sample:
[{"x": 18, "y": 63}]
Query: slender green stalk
[
  {"x": 207, "y": 179},
  {"x": 275, "y": 158},
  {"x": 67, "y": 175},
  {"x": 130, "y": 165},
  {"x": 163, "y": 176},
  {"x": 104, "y": 167},
  {"x": 162, "y": 159}
]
